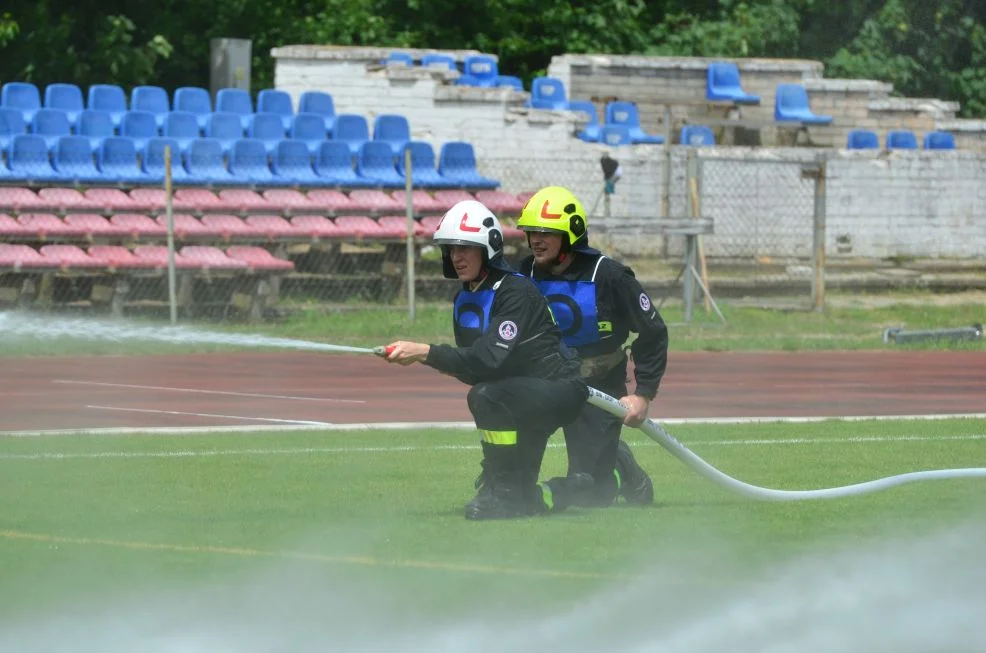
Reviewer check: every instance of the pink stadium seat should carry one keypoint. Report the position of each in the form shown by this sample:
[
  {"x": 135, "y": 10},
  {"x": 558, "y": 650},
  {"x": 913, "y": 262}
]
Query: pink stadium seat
[
  {"x": 258, "y": 258},
  {"x": 358, "y": 226},
  {"x": 511, "y": 232},
  {"x": 197, "y": 200},
  {"x": 429, "y": 224},
  {"x": 421, "y": 201},
  {"x": 231, "y": 227},
  {"x": 138, "y": 226},
  {"x": 501, "y": 203},
  {"x": 241, "y": 200},
  {"x": 114, "y": 200},
  {"x": 118, "y": 256},
  {"x": 188, "y": 227},
  {"x": 24, "y": 199},
  {"x": 157, "y": 256},
  {"x": 11, "y": 229},
  {"x": 94, "y": 226},
  {"x": 45, "y": 226},
  {"x": 273, "y": 226},
  {"x": 70, "y": 256},
  {"x": 375, "y": 201},
  {"x": 395, "y": 226},
  {"x": 67, "y": 199},
  {"x": 449, "y": 198},
  {"x": 525, "y": 196},
  {"x": 291, "y": 202},
  {"x": 152, "y": 198},
  {"x": 211, "y": 258},
  {"x": 19, "y": 257},
  {"x": 315, "y": 226},
  {"x": 333, "y": 202}
]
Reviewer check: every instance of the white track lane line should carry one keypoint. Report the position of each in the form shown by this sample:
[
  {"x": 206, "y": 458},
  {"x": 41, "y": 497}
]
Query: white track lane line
[
  {"x": 308, "y": 451},
  {"x": 255, "y": 395},
  {"x": 213, "y": 415}
]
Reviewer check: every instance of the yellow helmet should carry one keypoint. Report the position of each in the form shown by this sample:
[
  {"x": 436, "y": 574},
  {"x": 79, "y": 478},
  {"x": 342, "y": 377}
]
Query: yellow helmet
[{"x": 555, "y": 209}]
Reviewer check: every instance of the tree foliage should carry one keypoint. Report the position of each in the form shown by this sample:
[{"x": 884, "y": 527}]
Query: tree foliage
[{"x": 926, "y": 49}]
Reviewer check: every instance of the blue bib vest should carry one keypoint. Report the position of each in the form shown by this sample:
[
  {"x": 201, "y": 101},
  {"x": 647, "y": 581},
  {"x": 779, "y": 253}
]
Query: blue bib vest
[
  {"x": 471, "y": 314},
  {"x": 573, "y": 304}
]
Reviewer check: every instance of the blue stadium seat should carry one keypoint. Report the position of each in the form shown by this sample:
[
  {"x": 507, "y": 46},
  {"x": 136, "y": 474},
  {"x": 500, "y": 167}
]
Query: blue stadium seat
[
  {"x": 697, "y": 136},
  {"x": 205, "y": 164},
  {"x": 183, "y": 126},
  {"x": 548, "y": 93},
  {"x": 74, "y": 160},
  {"x": 791, "y": 103},
  {"x": 235, "y": 100},
  {"x": 68, "y": 98},
  {"x": 423, "y": 172},
  {"x": 393, "y": 130},
  {"x": 271, "y": 100},
  {"x": 23, "y": 96},
  {"x": 11, "y": 124},
  {"x": 117, "y": 158},
  {"x": 51, "y": 124},
  {"x": 248, "y": 162},
  {"x": 108, "y": 97},
  {"x": 722, "y": 83},
  {"x": 482, "y": 68},
  {"x": 939, "y": 141},
  {"x": 438, "y": 61},
  {"x": 457, "y": 163},
  {"x": 321, "y": 104},
  {"x": 625, "y": 114},
  {"x": 508, "y": 81},
  {"x": 28, "y": 159},
  {"x": 467, "y": 80},
  {"x": 193, "y": 100},
  {"x": 334, "y": 165},
  {"x": 310, "y": 129},
  {"x": 95, "y": 125},
  {"x": 352, "y": 130},
  {"x": 139, "y": 126},
  {"x": 615, "y": 135},
  {"x": 152, "y": 162},
  {"x": 398, "y": 59},
  {"x": 152, "y": 99},
  {"x": 266, "y": 128},
  {"x": 225, "y": 128},
  {"x": 375, "y": 162},
  {"x": 901, "y": 140},
  {"x": 862, "y": 139},
  {"x": 292, "y": 164},
  {"x": 592, "y": 131}
]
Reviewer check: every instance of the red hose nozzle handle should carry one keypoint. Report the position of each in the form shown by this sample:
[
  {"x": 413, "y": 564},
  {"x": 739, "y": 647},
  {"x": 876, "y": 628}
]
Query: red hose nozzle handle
[{"x": 384, "y": 351}]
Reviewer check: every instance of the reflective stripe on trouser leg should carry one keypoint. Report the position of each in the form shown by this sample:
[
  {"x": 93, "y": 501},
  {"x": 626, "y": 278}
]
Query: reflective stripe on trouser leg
[{"x": 500, "y": 437}]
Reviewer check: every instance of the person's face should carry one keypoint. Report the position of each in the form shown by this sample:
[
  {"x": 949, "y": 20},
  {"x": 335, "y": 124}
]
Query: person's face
[
  {"x": 467, "y": 261},
  {"x": 545, "y": 246}
]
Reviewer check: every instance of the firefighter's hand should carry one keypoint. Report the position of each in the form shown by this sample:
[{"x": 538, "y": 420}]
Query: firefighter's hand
[
  {"x": 636, "y": 407},
  {"x": 403, "y": 352}
]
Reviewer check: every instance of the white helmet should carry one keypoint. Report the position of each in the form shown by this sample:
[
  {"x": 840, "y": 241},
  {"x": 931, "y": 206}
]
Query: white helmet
[{"x": 469, "y": 223}]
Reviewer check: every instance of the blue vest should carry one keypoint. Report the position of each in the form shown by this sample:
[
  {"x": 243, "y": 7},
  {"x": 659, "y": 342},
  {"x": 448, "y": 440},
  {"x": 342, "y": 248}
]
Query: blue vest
[
  {"x": 573, "y": 304},
  {"x": 471, "y": 314}
]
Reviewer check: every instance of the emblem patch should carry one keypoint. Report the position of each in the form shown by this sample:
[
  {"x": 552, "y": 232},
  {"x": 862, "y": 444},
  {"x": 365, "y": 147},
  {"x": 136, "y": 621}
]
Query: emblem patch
[
  {"x": 507, "y": 330},
  {"x": 644, "y": 302}
]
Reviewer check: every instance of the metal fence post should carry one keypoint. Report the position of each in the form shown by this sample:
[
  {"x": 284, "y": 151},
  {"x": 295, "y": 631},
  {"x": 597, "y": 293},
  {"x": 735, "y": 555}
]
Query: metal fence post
[
  {"x": 818, "y": 244},
  {"x": 172, "y": 293},
  {"x": 409, "y": 203}
]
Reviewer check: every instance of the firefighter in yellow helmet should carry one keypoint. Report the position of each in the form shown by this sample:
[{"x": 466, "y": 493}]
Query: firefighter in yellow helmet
[{"x": 597, "y": 301}]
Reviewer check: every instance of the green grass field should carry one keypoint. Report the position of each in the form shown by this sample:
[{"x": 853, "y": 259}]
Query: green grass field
[{"x": 358, "y": 537}]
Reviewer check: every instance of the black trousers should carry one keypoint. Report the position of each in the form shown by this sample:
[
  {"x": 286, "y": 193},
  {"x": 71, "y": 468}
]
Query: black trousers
[{"x": 591, "y": 439}]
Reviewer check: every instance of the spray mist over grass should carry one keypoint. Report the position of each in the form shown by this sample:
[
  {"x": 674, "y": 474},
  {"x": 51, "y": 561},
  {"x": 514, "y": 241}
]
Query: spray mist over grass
[{"x": 901, "y": 596}]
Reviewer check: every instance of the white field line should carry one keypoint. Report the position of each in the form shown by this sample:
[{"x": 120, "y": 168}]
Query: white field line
[
  {"x": 310, "y": 451},
  {"x": 413, "y": 426},
  {"x": 255, "y": 395},
  {"x": 245, "y": 418}
]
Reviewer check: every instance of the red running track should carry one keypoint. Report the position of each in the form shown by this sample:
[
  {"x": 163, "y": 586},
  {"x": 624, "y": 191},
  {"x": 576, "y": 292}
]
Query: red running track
[{"x": 275, "y": 389}]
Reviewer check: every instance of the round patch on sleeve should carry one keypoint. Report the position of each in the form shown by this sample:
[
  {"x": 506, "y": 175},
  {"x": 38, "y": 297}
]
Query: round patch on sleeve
[
  {"x": 644, "y": 302},
  {"x": 507, "y": 330}
]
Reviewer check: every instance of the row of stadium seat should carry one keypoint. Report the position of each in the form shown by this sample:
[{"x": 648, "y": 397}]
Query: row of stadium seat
[
  {"x": 865, "y": 139},
  {"x": 23, "y": 258},
  {"x": 45, "y": 227},
  {"x": 287, "y": 202},
  {"x": 119, "y": 160}
]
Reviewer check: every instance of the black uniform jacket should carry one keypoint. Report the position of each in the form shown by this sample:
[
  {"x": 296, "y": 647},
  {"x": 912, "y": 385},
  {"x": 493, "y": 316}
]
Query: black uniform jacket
[
  {"x": 522, "y": 339},
  {"x": 621, "y": 301}
]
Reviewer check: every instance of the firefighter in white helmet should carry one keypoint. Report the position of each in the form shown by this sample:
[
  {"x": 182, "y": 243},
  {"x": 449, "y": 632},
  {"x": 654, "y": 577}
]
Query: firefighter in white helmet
[{"x": 525, "y": 382}]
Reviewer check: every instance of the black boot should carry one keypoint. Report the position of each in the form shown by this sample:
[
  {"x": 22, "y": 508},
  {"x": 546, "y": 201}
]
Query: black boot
[
  {"x": 558, "y": 493},
  {"x": 504, "y": 499},
  {"x": 635, "y": 485}
]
